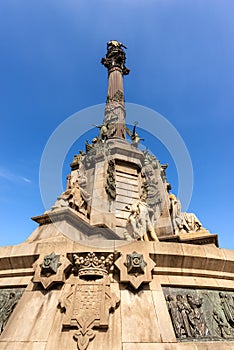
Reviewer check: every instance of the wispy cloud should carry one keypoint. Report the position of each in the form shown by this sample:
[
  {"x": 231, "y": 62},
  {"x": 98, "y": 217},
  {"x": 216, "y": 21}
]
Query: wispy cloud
[
  {"x": 26, "y": 179},
  {"x": 12, "y": 177}
]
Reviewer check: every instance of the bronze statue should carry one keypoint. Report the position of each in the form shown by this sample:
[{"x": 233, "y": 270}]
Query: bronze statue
[
  {"x": 222, "y": 328},
  {"x": 227, "y": 307},
  {"x": 176, "y": 317},
  {"x": 106, "y": 130},
  {"x": 196, "y": 320},
  {"x": 134, "y": 135},
  {"x": 184, "y": 310},
  {"x": 115, "y": 56}
]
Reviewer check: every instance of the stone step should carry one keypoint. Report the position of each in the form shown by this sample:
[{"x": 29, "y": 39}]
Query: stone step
[
  {"x": 126, "y": 175},
  {"x": 127, "y": 180},
  {"x": 126, "y": 170},
  {"x": 125, "y": 193},
  {"x": 122, "y": 206},
  {"x": 126, "y": 186},
  {"x": 120, "y": 214},
  {"x": 121, "y": 222}
]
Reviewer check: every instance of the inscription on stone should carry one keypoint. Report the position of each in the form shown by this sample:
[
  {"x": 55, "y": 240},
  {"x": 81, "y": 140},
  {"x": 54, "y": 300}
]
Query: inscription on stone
[
  {"x": 8, "y": 300},
  {"x": 201, "y": 313}
]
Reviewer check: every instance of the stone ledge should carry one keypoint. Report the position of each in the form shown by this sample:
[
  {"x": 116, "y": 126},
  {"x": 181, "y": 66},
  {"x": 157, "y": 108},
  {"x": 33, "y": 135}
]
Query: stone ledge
[
  {"x": 172, "y": 258},
  {"x": 16, "y": 272},
  {"x": 214, "y": 345},
  {"x": 68, "y": 215},
  {"x": 192, "y": 272},
  {"x": 195, "y": 238}
]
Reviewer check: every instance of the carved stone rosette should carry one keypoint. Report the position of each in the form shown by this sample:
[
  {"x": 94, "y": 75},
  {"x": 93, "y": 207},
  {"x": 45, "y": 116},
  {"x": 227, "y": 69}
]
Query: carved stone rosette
[
  {"x": 135, "y": 268},
  {"x": 50, "y": 269}
]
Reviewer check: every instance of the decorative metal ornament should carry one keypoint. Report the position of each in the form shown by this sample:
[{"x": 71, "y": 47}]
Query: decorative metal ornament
[
  {"x": 135, "y": 264},
  {"x": 135, "y": 268},
  {"x": 110, "y": 180},
  {"x": 50, "y": 264},
  {"x": 50, "y": 269}
]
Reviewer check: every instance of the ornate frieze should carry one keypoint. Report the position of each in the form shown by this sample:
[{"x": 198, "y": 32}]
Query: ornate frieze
[
  {"x": 8, "y": 300},
  {"x": 201, "y": 314},
  {"x": 110, "y": 180},
  {"x": 118, "y": 97}
]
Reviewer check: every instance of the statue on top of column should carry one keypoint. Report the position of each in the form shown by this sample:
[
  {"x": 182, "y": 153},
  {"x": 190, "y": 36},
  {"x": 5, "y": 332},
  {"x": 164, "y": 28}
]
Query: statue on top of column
[{"x": 115, "y": 56}]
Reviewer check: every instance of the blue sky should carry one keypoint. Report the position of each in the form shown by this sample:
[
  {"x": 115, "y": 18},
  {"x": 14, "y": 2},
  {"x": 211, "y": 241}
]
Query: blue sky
[{"x": 181, "y": 55}]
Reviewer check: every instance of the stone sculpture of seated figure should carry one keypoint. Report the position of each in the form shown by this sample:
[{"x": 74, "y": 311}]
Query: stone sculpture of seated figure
[
  {"x": 74, "y": 197},
  {"x": 182, "y": 221}
]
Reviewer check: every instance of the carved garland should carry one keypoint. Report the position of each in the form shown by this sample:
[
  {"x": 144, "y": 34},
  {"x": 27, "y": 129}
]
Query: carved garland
[{"x": 110, "y": 181}]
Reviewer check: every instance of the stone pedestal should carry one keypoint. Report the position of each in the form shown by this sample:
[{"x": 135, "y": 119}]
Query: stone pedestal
[{"x": 127, "y": 298}]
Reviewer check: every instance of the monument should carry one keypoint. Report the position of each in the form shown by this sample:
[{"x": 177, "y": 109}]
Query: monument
[{"x": 115, "y": 263}]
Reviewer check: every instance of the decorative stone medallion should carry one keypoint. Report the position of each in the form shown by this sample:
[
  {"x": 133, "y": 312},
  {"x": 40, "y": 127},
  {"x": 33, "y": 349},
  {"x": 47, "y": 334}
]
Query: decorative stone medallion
[
  {"x": 50, "y": 265},
  {"x": 135, "y": 264},
  {"x": 135, "y": 268},
  {"x": 50, "y": 269}
]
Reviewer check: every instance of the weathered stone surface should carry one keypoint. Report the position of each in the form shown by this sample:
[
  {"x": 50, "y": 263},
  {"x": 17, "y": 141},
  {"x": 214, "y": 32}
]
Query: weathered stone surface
[
  {"x": 111, "y": 337},
  {"x": 33, "y": 317},
  {"x": 158, "y": 346},
  {"x": 50, "y": 269},
  {"x": 137, "y": 311},
  {"x": 167, "y": 333},
  {"x": 22, "y": 345},
  {"x": 8, "y": 301}
]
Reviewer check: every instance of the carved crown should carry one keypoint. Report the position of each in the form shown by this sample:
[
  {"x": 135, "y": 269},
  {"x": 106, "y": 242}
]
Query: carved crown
[{"x": 92, "y": 264}]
